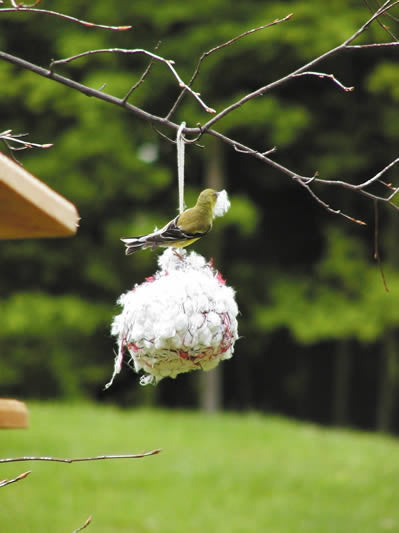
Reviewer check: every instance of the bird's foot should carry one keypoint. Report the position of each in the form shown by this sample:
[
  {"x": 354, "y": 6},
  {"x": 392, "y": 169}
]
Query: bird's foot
[{"x": 181, "y": 257}]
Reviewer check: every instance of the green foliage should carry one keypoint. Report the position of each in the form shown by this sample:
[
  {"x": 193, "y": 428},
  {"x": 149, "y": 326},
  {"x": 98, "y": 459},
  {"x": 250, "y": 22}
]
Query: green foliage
[
  {"x": 53, "y": 315},
  {"x": 243, "y": 214},
  {"x": 44, "y": 337},
  {"x": 385, "y": 79},
  {"x": 282, "y": 122},
  {"x": 344, "y": 298}
]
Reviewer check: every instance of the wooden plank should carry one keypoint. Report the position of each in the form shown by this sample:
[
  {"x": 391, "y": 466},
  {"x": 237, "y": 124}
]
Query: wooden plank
[
  {"x": 29, "y": 208},
  {"x": 13, "y": 414}
]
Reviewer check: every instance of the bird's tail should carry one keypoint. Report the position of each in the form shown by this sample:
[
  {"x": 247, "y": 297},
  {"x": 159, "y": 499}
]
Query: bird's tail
[{"x": 134, "y": 244}]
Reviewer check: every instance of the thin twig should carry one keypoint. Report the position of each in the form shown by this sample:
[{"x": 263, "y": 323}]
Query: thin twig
[
  {"x": 88, "y": 91},
  {"x": 250, "y": 150},
  {"x": 80, "y": 459},
  {"x": 388, "y": 185},
  {"x": 163, "y": 135},
  {"x": 327, "y": 206},
  {"x": 16, "y": 4},
  {"x": 168, "y": 62},
  {"x": 10, "y": 153},
  {"x": 383, "y": 9},
  {"x": 5, "y": 482},
  {"x": 83, "y": 526},
  {"x": 323, "y": 75},
  {"x": 389, "y": 15},
  {"x": 17, "y": 9},
  {"x": 371, "y": 45},
  {"x": 383, "y": 26},
  {"x": 259, "y": 92},
  {"x": 201, "y": 129},
  {"x": 368, "y": 182},
  {"x": 139, "y": 82},
  {"x": 8, "y": 137},
  {"x": 142, "y": 77},
  {"x": 305, "y": 180},
  {"x": 215, "y": 49}
]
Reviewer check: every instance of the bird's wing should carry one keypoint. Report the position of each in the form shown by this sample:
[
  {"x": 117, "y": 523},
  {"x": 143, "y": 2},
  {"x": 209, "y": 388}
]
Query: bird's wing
[
  {"x": 170, "y": 233},
  {"x": 173, "y": 232}
]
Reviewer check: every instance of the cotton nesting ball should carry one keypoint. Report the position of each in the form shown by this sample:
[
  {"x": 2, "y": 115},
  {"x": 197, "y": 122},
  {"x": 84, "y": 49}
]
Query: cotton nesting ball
[{"x": 181, "y": 319}]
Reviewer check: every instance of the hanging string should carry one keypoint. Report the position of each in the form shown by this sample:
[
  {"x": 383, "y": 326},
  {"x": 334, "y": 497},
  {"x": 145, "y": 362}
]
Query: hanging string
[{"x": 180, "y": 164}]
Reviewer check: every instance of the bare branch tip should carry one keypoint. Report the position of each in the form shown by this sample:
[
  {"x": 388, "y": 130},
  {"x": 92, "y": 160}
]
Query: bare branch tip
[
  {"x": 24, "y": 474},
  {"x": 5, "y": 482},
  {"x": 84, "y": 526},
  {"x": 271, "y": 151}
]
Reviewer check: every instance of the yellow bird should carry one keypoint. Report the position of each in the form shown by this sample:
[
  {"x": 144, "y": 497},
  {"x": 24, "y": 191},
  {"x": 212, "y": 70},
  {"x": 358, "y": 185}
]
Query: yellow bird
[{"x": 183, "y": 230}]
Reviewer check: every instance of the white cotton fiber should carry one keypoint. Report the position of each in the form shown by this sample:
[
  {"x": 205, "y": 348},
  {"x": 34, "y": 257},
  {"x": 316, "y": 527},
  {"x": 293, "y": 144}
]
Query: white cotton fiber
[{"x": 181, "y": 319}]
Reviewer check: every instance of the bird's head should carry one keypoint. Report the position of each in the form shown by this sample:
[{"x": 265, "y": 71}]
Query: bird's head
[{"x": 207, "y": 198}]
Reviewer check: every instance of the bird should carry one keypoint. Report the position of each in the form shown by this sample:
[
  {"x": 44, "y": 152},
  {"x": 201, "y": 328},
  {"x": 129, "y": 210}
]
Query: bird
[{"x": 183, "y": 230}]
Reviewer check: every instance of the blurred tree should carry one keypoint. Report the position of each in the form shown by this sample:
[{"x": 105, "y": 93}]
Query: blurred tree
[
  {"x": 342, "y": 299},
  {"x": 211, "y": 386}
]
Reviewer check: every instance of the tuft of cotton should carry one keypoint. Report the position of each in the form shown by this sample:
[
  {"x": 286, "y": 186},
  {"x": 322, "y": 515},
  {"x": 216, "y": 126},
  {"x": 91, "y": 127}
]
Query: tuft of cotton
[
  {"x": 222, "y": 204},
  {"x": 182, "y": 318}
]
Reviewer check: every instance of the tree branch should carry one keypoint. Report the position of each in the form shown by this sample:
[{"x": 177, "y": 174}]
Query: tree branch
[
  {"x": 88, "y": 91},
  {"x": 260, "y": 92},
  {"x": 5, "y": 482},
  {"x": 168, "y": 62},
  {"x": 371, "y": 45},
  {"x": 80, "y": 459},
  {"x": 215, "y": 49},
  {"x": 197, "y": 132},
  {"x": 383, "y": 26},
  {"x": 323, "y": 75},
  {"x": 327, "y": 206},
  {"x": 366, "y": 183},
  {"x": 84, "y": 526},
  {"x": 27, "y": 9},
  {"x": 382, "y": 10},
  {"x": 8, "y": 137},
  {"x": 306, "y": 180},
  {"x": 142, "y": 77}
]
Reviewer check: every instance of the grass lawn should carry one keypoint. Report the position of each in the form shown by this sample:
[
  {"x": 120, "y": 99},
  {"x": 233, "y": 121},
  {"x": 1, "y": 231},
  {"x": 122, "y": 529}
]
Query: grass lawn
[{"x": 224, "y": 473}]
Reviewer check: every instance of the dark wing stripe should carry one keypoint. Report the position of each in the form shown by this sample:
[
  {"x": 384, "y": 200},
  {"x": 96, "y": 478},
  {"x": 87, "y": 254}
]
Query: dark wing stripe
[
  {"x": 169, "y": 234},
  {"x": 178, "y": 235},
  {"x": 173, "y": 231}
]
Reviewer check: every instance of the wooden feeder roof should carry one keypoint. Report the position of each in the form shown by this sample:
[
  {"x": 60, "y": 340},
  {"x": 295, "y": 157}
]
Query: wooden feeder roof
[{"x": 29, "y": 208}]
